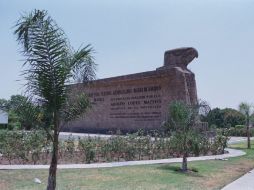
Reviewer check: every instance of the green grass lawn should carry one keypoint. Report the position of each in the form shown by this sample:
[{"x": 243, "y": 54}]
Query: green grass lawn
[{"x": 212, "y": 174}]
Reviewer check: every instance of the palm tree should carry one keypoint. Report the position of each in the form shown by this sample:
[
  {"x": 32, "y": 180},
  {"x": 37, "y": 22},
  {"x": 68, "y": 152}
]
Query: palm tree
[
  {"x": 182, "y": 123},
  {"x": 245, "y": 109},
  {"x": 50, "y": 65}
]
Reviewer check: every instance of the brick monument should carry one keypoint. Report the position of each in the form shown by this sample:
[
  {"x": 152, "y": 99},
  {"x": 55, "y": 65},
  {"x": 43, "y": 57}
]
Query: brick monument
[{"x": 138, "y": 101}]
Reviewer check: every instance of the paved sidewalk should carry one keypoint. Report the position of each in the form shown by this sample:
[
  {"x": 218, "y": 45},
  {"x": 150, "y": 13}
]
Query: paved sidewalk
[
  {"x": 65, "y": 135},
  {"x": 231, "y": 153},
  {"x": 245, "y": 182},
  {"x": 235, "y": 140}
]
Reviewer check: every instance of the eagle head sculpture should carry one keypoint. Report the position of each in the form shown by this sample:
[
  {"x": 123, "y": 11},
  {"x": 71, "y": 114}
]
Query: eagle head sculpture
[{"x": 180, "y": 57}]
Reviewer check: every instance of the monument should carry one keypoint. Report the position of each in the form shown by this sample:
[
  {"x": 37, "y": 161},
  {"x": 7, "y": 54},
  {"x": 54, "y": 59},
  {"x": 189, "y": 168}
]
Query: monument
[{"x": 138, "y": 101}]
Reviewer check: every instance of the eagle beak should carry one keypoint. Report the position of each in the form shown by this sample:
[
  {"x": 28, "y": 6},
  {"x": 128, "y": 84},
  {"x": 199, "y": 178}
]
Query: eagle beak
[{"x": 196, "y": 53}]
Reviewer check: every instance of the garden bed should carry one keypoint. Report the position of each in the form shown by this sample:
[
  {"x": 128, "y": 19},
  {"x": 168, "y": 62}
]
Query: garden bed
[{"x": 19, "y": 147}]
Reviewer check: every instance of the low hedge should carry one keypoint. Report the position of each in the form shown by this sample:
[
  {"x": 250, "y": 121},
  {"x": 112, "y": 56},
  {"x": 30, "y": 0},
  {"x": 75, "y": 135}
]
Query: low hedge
[
  {"x": 34, "y": 147},
  {"x": 240, "y": 131}
]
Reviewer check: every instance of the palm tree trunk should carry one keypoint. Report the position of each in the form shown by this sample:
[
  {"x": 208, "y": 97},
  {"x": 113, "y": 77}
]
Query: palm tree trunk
[
  {"x": 184, "y": 163},
  {"x": 54, "y": 159},
  {"x": 248, "y": 133}
]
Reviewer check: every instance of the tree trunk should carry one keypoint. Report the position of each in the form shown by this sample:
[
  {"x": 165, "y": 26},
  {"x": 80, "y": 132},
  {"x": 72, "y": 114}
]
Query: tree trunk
[
  {"x": 184, "y": 163},
  {"x": 54, "y": 159},
  {"x": 248, "y": 133}
]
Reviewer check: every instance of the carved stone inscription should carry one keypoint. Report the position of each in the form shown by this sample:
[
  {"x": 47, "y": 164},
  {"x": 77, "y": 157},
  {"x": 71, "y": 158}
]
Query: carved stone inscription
[{"x": 138, "y": 104}]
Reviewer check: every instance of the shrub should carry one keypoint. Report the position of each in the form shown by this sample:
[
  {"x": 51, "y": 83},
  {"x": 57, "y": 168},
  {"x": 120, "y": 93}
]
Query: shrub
[
  {"x": 14, "y": 146},
  {"x": 87, "y": 148},
  {"x": 204, "y": 145},
  {"x": 130, "y": 148},
  {"x": 239, "y": 126},
  {"x": 117, "y": 144},
  {"x": 240, "y": 131},
  {"x": 106, "y": 150},
  {"x": 213, "y": 126},
  {"x": 21, "y": 144},
  {"x": 3, "y": 126},
  {"x": 14, "y": 126},
  {"x": 220, "y": 142},
  {"x": 70, "y": 146},
  {"x": 35, "y": 142}
]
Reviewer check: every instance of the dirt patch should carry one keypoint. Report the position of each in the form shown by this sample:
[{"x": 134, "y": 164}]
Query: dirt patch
[
  {"x": 4, "y": 186},
  {"x": 225, "y": 175}
]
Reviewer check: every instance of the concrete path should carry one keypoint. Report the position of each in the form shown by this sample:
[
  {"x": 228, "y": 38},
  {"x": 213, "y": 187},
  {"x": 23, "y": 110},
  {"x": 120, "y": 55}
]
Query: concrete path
[
  {"x": 231, "y": 153},
  {"x": 235, "y": 140},
  {"x": 65, "y": 135},
  {"x": 245, "y": 182}
]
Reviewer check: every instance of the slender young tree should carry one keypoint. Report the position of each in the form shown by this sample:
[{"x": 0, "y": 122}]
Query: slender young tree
[
  {"x": 182, "y": 124},
  {"x": 50, "y": 65},
  {"x": 245, "y": 109}
]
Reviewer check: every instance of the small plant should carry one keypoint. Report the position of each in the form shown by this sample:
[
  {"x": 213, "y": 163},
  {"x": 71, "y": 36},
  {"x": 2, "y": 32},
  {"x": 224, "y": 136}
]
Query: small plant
[
  {"x": 141, "y": 144},
  {"x": 36, "y": 141},
  {"x": 220, "y": 142},
  {"x": 70, "y": 147},
  {"x": 61, "y": 149},
  {"x": 130, "y": 150},
  {"x": 106, "y": 150},
  {"x": 87, "y": 147}
]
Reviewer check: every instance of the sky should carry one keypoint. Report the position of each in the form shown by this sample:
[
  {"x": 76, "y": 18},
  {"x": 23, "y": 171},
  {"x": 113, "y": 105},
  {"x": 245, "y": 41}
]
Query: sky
[{"x": 131, "y": 36}]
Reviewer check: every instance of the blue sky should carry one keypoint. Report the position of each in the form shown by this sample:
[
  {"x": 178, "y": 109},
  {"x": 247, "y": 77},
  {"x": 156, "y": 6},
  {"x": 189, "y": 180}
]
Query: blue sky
[{"x": 131, "y": 36}]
